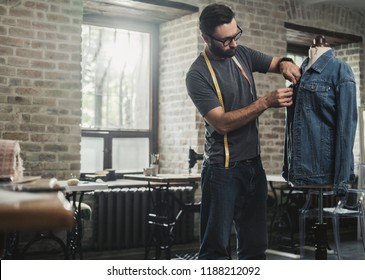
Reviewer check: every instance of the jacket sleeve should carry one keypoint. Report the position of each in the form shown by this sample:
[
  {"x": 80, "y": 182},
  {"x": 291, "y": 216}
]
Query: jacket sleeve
[{"x": 346, "y": 130}]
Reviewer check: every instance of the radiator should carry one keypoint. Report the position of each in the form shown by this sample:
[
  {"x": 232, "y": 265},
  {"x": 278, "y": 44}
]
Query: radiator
[{"x": 120, "y": 217}]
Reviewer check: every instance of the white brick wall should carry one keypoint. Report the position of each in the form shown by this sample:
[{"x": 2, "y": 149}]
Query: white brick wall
[
  {"x": 177, "y": 114},
  {"x": 40, "y": 83}
]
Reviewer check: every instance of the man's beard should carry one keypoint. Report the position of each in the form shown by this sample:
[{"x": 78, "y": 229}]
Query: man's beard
[{"x": 221, "y": 53}]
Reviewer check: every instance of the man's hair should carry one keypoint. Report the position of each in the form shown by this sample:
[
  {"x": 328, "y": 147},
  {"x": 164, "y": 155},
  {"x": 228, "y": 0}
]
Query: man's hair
[{"x": 214, "y": 15}]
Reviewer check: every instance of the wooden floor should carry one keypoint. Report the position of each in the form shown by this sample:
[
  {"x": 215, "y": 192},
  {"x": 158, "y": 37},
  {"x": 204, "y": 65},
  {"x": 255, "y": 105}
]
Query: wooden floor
[
  {"x": 280, "y": 248},
  {"x": 351, "y": 250}
]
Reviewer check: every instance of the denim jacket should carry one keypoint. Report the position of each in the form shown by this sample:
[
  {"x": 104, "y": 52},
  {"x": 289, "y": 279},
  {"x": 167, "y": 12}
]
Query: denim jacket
[{"x": 321, "y": 125}]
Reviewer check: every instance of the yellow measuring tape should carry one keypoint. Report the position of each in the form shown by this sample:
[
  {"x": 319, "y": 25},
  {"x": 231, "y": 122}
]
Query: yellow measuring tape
[{"x": 220, "y": 98}]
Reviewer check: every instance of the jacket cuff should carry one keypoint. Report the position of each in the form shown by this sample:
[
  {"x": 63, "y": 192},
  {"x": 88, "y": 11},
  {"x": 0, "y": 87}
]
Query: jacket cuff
[{"x": 341, "y": 189}]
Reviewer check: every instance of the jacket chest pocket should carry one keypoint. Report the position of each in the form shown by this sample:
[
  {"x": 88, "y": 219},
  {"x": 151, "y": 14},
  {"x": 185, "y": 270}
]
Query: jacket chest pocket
[{"x": 316, "y": 94}]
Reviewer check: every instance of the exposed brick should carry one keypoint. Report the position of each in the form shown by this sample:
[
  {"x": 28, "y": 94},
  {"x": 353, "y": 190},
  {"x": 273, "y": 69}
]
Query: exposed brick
[
  {"x": 44, "y": 119},
  {"x": 30, "y": 147},
  {"x": 35, "y": 128},
  {"x": 57, "y": 76},
  {"x": 6, "y": 108},
  {"x": 55, "y": 148},
  {"x": 57, "y": 166},
  {"x": 33, "y": 54},
  {"x": 11, "y": 126},
  {"x": 20, "y": 32},
  {"x": 47, "y": 157},
  {"x": 29, "y": 73},
  {"x": 36, "y": 5},
  {"x": 46, "y": 84},
  {"x": 7, "y": 71},
  {"x": 42, "y": 26},
  {"x": 35, "y": 137},
  {"x": 69, "y": 66},
  {"x": 45, "y": 65},
  {"x": 44, "y": 101},
  {"x": 57, "y": 18},
  {"x": 43, "y": 45},
  {"x": 56, "y": 56},
  {"x": 59, "y": 129},
  {"x": 19, "y": 100},
  {"x": 5, "y": 90},
  {"x": 26, "y": 91},
  {"x": 20, "y": 136},
  {"x": 18, "y": 61},
  {"x": 3, "y": 11}
]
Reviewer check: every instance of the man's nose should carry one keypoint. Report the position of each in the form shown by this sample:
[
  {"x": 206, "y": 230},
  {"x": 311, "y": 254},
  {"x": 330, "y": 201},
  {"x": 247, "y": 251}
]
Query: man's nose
[{"x": 233, "y": 43}]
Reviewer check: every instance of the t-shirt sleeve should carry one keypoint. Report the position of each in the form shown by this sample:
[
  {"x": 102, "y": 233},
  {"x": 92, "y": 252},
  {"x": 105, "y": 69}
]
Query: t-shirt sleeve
[
  {"x": 201, "y": 93},
  {"x": 258, "y": 61}
]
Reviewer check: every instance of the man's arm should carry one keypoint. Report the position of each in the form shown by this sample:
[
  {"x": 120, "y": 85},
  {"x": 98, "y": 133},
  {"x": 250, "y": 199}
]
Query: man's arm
[
  {"x": 224, "y": 122},
  {"x": 286, "y": 67}
]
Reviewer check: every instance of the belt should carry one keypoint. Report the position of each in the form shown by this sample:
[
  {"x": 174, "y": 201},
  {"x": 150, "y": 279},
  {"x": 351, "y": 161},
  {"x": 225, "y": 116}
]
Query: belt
[
  {"x": 250, "y": 160},
  {"x": 235, "y": 163}
]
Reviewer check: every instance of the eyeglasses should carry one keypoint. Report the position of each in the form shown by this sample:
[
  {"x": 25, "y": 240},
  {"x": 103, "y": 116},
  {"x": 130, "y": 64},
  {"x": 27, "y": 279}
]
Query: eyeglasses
[{"x": 228, "y": 40}]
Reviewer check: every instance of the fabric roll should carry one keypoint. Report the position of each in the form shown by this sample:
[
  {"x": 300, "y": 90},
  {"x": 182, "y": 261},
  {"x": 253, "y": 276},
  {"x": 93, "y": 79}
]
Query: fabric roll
[{"x": 11, "y": 164}]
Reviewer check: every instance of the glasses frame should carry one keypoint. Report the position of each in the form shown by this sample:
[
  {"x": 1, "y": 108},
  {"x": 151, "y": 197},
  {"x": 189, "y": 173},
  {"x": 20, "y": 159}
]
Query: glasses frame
[{"x": 228, "y": 40}]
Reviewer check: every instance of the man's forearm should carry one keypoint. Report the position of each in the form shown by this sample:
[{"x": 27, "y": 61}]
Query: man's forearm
[{"x": 230, "y": 121}]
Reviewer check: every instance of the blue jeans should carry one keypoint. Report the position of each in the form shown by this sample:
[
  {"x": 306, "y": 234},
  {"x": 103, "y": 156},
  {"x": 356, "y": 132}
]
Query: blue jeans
[{"x": 236, "y": 195}]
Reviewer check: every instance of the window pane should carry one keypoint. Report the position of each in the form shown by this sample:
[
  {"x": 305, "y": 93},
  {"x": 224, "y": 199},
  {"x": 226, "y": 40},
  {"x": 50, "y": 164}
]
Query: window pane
[
  {"x": 298, "y": 59},
  {"x": 92, "y": 154},
  {"x": 115, "y": 78},
  {"x": 130, "y": 154}
]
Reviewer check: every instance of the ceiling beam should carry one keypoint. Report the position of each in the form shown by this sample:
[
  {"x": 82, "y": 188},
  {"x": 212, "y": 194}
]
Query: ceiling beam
[{"x": 303, "y": 35}]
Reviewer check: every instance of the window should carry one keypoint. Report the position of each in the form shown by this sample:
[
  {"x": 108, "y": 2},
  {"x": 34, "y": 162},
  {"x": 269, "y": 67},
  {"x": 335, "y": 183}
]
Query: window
[
  {"x": 115, "y": 80},
  {"x": 118, "y": 95},
  {"x": 298, "y": 59}
]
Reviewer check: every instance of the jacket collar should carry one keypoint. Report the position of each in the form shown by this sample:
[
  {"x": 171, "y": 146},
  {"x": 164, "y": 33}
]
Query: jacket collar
[{"x": 321, "y": 62}]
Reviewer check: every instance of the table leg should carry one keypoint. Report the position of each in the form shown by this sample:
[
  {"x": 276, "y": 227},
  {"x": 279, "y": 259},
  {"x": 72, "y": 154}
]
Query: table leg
[
  {"x": 74, "y": 237},
  {"x": 2, "y": 243},
  {"x": 44, "y": 236},
  {"x": 161, "y": 223},
  {"x": 320, "y": 232},
  {"x": 11, "y": 244}
]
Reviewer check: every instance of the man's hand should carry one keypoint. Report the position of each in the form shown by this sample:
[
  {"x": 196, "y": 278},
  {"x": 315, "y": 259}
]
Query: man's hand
[
  {"x": 282, "y": 97},
  {"x": 290, "y": 71}
]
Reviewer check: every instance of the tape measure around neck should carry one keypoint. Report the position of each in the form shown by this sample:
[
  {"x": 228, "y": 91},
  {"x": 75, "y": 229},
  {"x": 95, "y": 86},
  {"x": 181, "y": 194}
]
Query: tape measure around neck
[
  {"x": 241, "y": 69},
  {"x": 220, "y": 98}
]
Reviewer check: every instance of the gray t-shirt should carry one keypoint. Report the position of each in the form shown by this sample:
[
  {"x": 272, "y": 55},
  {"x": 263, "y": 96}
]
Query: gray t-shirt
[{"x": 237, "y": 93}]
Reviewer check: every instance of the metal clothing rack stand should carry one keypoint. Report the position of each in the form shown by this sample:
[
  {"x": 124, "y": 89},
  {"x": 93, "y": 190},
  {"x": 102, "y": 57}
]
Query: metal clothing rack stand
[
  {"x": 320, "y": 227},
  {"x": 320, "y": 231}
]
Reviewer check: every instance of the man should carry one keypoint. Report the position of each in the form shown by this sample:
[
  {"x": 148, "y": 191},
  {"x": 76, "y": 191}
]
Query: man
[{"x": 221, "y": 85}]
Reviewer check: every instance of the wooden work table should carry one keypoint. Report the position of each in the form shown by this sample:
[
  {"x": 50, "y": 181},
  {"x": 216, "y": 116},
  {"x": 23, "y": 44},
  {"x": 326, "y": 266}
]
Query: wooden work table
[
  {"x": 21, "y": 212},
  {"x": 34, "y": 211},
  {"x": 34, "y": 206},
  {"x": 166, "y": 178}
]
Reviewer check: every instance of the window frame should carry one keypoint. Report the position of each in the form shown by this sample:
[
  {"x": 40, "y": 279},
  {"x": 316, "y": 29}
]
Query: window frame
[{"x": 152, "y": 132}]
